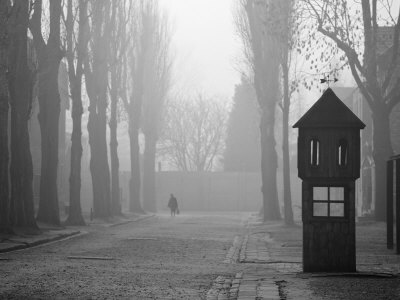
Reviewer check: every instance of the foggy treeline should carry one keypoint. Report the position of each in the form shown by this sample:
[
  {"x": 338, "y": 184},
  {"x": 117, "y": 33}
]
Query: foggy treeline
[{"x": 118, "y": 55}]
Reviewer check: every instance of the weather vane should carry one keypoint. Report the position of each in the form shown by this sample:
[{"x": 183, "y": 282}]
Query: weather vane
[{"x": 324, "y": 80}]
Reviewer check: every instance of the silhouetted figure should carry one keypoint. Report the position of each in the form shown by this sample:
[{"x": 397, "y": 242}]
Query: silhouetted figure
[{"x": 173, "y": 205}]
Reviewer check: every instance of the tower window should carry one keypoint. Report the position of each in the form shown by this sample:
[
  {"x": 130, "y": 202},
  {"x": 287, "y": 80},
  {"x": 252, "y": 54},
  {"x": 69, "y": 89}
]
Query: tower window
[
  {"x": 314, "y": 152},
  {"x": 342, "y": 153},
  {"x": 328, "y": 201}
]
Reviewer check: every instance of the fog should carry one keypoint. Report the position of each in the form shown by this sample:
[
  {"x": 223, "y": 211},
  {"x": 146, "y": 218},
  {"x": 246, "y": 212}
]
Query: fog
[{"x": 199, "y": 138}]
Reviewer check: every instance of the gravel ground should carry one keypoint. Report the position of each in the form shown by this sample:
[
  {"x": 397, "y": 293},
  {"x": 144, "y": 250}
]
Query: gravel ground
[
  {"x": 341, "y": 288},
  {"x": 379, "y": 268},
  {"x": 179, "y": 257},
  {"x": 159, "y": 258}
]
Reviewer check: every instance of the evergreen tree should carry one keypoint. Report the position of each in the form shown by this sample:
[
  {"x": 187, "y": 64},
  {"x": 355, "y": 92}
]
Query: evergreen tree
[{"x": 242, "y": 151}]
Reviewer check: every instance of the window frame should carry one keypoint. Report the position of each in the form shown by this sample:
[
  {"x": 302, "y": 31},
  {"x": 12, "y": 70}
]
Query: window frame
[
  {"x": 328, "y": 201},
  {"x": 311, "y": 152},
  {"x": 339, "y": 152}
]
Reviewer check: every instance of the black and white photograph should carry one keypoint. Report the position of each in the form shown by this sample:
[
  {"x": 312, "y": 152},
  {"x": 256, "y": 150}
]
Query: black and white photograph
[{"x": 200, "y": 149}]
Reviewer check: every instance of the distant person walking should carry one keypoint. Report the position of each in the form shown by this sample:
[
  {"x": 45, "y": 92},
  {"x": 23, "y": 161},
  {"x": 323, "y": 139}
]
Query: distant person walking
[{"x": 173, "y": 205}]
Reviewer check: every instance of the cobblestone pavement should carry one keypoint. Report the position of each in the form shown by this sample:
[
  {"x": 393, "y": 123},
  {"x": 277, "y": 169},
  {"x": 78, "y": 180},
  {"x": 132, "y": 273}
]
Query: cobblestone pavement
[
  {"x": 162, "y": 257},
  {"x": 205, "y": 257},
  {"x": 271, "y": 255}
]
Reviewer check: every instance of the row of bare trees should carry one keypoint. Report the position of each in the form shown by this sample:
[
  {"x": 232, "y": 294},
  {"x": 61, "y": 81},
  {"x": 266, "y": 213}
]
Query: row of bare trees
[
  {"x": 320, "y": 32},
  {"x": 118, "y": 54}
]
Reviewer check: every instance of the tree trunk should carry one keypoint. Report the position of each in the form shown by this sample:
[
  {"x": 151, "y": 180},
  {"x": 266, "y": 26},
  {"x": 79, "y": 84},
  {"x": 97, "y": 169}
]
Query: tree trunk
[
  {"x": 4, "y": 155},
  {"x": 269, "y": 165},
  {"x": 115, "y": 197},
  {"x": 49, "y": 105},
  {"x": 75, "y": 82},
  {"x": 96, "y": 76},
  {"x": 21, "y": 169},
  {"x": 382, "y": 150},
  {"x": 135, "y": 181},
  {"x": 99, "y": 159},
  {"x": 75, "y": 211},
  {"x": 99, "y": 163},
  {"x": 149, "y": 174},
  {"x": 49, "y": 56},
  {"x": 287, "y": 194}
]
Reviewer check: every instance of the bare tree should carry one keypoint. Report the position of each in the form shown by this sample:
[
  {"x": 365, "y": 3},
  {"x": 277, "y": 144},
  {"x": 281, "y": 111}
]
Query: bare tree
[
  {"x": 19, "y": 74},
  {"x": 262, "y": 56},
  {"x": 76, "y": 52},
  {"x": 157, "y": 84},
  {"x": 283, "y": 25},
  {"x": 285, "y": 106},
  {"x": 194, "y": 133},
  {"x": 49, "y": 56},
  {"x": 115, "y": 78},
  {"x": 352, "y": 32},
  {"x": 96, "y": 79},
  {"x": 141, "y": 35},
  {"x": 4, "y": 109},
  {"x": 120, "y": 14}
]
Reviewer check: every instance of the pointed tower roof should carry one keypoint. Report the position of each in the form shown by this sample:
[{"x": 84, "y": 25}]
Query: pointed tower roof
[{"x": 329, "y": 111}]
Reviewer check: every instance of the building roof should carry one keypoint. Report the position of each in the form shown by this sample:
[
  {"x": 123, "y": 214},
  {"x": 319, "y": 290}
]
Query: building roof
[{"x": 329, "y": 111}]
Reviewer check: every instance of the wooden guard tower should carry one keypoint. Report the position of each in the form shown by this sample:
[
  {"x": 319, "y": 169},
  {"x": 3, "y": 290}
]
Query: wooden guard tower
[{"x": 329, "y": 164}]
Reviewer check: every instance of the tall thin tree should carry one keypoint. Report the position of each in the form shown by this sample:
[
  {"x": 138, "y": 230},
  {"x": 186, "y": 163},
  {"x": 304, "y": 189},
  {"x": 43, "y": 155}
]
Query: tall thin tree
[
  {"x": 19, "y": 74},
  {"x": 96, "y": 79},
  {"x": 283, "y": 31},
  {"x": 4, "y": 109},
  {"x": 263, "y": 57},
  {"x": 157, "y": 85},
  {"x": 75, "y": 55},
  {"x": 49, "y": 56},
  {"x": 120, "y": 13},
  {"x": 140, "y": 29}
]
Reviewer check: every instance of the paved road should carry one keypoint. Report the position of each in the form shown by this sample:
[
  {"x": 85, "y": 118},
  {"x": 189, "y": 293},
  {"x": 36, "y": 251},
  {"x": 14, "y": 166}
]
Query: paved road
[
  {"x": 193, "y": 256},
  {"x": 158, "y": 258},
  {"x": 272, "y": 253}
]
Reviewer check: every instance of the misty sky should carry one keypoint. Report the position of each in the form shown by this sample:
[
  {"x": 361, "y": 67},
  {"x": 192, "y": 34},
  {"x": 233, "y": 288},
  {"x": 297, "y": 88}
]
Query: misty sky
[
  {"x": 205, "y": 45},
  {"x": 206, "y": 48}
]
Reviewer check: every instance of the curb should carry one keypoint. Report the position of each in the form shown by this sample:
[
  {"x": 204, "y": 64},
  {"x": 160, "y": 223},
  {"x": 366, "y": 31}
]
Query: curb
[
  {"x": 62, "y": 236},
  {"x": 40, "y": 242}
]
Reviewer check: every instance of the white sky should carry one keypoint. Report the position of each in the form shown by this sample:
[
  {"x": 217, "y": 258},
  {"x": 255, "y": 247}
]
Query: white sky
[
  {"x": 206, "y": 49},
  {"x": 205, "y": 44}
]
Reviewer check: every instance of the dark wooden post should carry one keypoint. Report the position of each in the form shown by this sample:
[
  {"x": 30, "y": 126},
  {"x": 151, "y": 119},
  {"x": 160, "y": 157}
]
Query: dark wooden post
[
  {"x": 397, "y": 205},
  {"x": 389, "y": 204}
]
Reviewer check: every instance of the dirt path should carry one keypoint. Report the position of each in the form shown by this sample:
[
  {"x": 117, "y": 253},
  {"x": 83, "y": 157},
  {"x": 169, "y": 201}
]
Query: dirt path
[{"x": 158, "y": 258}]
